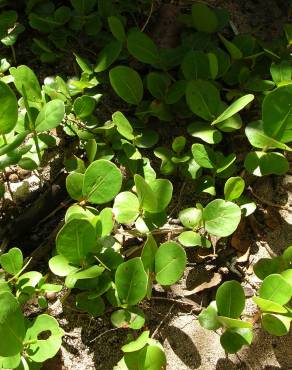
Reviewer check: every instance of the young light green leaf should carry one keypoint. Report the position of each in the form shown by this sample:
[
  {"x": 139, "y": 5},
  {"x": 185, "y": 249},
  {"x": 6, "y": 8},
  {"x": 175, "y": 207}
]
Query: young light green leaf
[
  {"x": 221, "y": 218},
  {"x": 132, "y": 318},
  {"x": 269, "y": 306},
  {"x": 148, "y": 253},
  {"x": 233, "y": 188},
  {"x": 170, "y": 262},
  {"x": 26, "y": 83},
  {"x": 131, "y": 281},
  {"x": 126, "y": 207},
  {"x": 190, "y": 217},
  {"x": 205, "y": 132},
  {"x": 230, "y": 299},
  {"x": 123, "y": 125},
  {"x": 127, "y": 83},
  {"x": 60, "y": 266},
  {"x": 102, "y": 182},
  {"x": 139, "y": 343},
  {"x": 235, "y": 107},
  {"x": 9, "y": 109},
  {"x": 12, "y": 261},
  {"x": 50, "y": 116},
  {"x": 74, "y": 184},
  {"x": 276, "y": 289},
  {"x": 192, "y": 239}
]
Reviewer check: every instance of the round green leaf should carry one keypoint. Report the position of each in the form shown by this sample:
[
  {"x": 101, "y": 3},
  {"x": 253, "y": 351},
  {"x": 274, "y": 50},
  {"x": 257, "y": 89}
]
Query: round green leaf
[
  {"x": 127, "y": 83},
  {"x": 132, "y": 318},
  {"x": 262, "y": 164},
  {"x": 142, "y": 47},
  {"x": 75, "y": 240},
  {"x": 44, "y": 349},
  {"x": 269, "y": 306},
  {"x": 205, "y": 132},
  {"x": 277, "y": 325},
  {"x": 84, "y": 106},
  {"x": 102, "y": 182},
  {"x": 233, "y": 188},
  {"x": 195, "y": 65},
  {"x": 50, "y": 116},
  {"x": 26, "y": 83},
  {"x": 203, "y": 99},
  {"x": 12, "y": 261},
  {"x": 190, "y": 217},
  {"x": 11, "y": 325},
  {"x": 170, "y": 262},
  {"x": 230, "y": 299},
  {"x": 208, "y": 317},
  {"x": 204, "y": 156},
  {"x": 276, "y": 289},
  {"x": 192, "y": 239},
  {"x": 157, "y": 84},
  {"x": 74, "y": 185},
  {"x": 137, "y": 344},
  {"x": 162, "y": 189},
  {"x": 221, "y": 218},
  {"x": 126, "y": 207},
  {"x": 131, "y": 281},
  {"x": 150, "y": 357},
  {"x": 204, "y": 19},
  {"x": 233, "y": 340},
  {"x": 9, "y": 109}
]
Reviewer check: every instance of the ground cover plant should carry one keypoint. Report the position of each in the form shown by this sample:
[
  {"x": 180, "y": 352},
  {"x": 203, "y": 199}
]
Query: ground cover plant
[{"x": 145, "y": 121}]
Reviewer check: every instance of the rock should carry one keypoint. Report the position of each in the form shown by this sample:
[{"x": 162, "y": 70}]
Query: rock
[{"x": 13, "y": 178}]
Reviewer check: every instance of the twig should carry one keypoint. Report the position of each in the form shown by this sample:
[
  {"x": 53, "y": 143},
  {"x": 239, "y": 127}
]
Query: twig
[
  {"x": 162, "y": 321},
  {"x": 196, "y": 307},
  {"x": 149, "y": 16},
  {"x": 104, "y": 333}
]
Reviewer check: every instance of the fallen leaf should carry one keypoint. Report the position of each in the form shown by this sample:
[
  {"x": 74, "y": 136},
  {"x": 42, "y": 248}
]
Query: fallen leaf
[{"x": 241, "y": 240}]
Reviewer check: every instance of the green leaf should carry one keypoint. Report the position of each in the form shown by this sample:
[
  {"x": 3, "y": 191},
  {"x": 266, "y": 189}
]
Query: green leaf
[
  {"x": 84, "y": 106},
  {"x": 170, "y": 262},
  {"x": 150, "y": 357},
  {"x": 233, "y": 340},
  {"x": 256, "y": 136},
  {"x": 229, "y": 323},
  {"x": 213, "y": 65},
  {"x": 117, "y": 28},
  {"x": 43, "y": 349},
  {"x": 102, "y": 182},
  {"x": 142, "y": 47},
  {"x": 9, "y": 109},
  {"x": 269, "y": 306},
  {"x": 204, "y": 156},
  {"x": 208, "y": 317},
  {"x": 83, "y": 64},
  {"x": 146, "y": 196},
  {"x": 233, "y": 50},
  {"x": 127, "y": 83},
  {"x": 233, "y": 188},
  {"x": 277, "y": 114},
  {"x": 281, "y": 71},
  {"x": 205, "y": 132},
  {"x": 235, "y": 107},
  {"x": 11, "y": 325},
  {"x": 106, "y": 222},
  {"x": 75, "y": 240},
  {"x": 108, "y": 55},
  {"x": 277, "y": 325},
  {"x": 190, "y": 217},
  {"x": 148, "y": 254},
  {"x": 126, "y": 207},
  {"x": 89, "y": 273},
  {"x": 221, "y": 218},
  {"x": 204, "y": 18},
  {"x": 157, "y": 84},
  {"x": 26, "y": 83},
  {"x": 175, "y": 92},
  {"x": 276, "y": 289},
  {"x": 192, "y": 239},
  {"x": 203, "y": 99},
  {"x": 195, "y": 65},
  {"x": 74, "y": 184},
  {"x": 262, "y": 164},
  {"x": 50, "y": 116},
  {"x": 139, "y": 343},
  {"x": 268, "y": 266},
  {"x": 230, "y": 299},
  {"x": 123, "y": 125},
  {"x": 94, "y": 306},
  {"x": 162, "y": 190},
  {"x": 131, "y": 281},
  {"x": 132, "y": 318},
  {"x": 178, "y": 144},
  {"x": 12, "y": 261}
]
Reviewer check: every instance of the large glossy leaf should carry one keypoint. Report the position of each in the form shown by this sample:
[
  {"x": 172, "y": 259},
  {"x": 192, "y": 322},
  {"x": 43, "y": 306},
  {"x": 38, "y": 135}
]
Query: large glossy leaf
[
  {"x": 277, "y": 114},
  {"x": 131, "y": 281},
  {"x": 170, "y": 262},
  {"x": 208, "y": 317},
  {"x": 126, "y": 207},
  {"x": 127, "y": 84},
  {"x": 281, "y": 71},
  {"x": 276, "y": 324},
  {"x": 75, "y": 240},
  {"x": 60, "y": 266},
  {"x": 117, "y": 28},
  {"x": 42, "y": 349},
  {"x": 256, "y": 136},
  {"x": 233, "y": 339},
  {"x": 221, "y": 218},
  {"x": 262, "y": 164},
  {"x": 230, "y": 299},
  {"x": 150, "y": 357},
  {"x": 205, "y": 132},
  {"x": 74, "y": 185},
  {"x": 9, "y": 109},
  {"x": 142, "y": 47},
  {"x": 204, "y": 18},
  {"x": 26, "y": 83},
  {"x": 203, "y": 99},
  {"x": 50, "y": 116},
  {"x": 276, "y": 289},
  {"x": 12, "y": 329},
  {"x": 195, "y": 65},
  {"x": 269, "y": 306},
  {"x": 123, "y": 125},
  {"x": 108, "y": 55},
  {"x": 102, "y": 181}
]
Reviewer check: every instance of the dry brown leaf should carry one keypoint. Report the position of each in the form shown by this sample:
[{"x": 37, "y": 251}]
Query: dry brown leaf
[{"x": 241, "y": 240}]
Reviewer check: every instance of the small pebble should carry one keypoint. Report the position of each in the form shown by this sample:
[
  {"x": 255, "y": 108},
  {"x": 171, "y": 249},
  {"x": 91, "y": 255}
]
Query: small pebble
[
  {"x": 13, "y": 177},
  {"x": 22, "y": 174},
  {"x": 51, "y": 296}
]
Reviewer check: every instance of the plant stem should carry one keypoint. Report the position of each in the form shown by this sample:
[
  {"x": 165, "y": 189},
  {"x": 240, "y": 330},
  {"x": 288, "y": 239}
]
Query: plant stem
[
  {"x": 13, "y": 54},
  {"x": 20, "y": 272}
]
